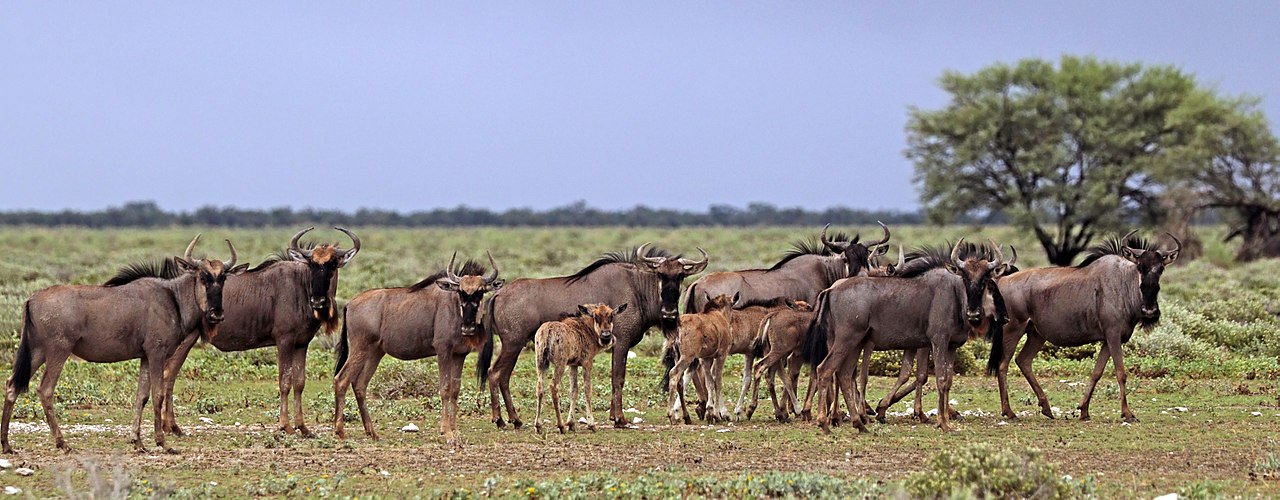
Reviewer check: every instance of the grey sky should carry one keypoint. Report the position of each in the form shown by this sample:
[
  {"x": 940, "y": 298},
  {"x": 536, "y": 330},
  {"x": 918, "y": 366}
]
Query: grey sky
[{"x": 418, "y": 105}]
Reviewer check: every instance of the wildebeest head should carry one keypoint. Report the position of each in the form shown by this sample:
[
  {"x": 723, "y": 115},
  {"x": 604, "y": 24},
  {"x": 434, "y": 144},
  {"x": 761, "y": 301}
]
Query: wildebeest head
[
  {"x": 979, "y": 270},
  {"x": 670, "y": 273},
  {"x": 470, "y": 289},
  {"x": 211, "y": 275},
  {"x": 721, "y": 302},
  {"x": 1151, "y": 263},
  {"x": 600, "y": 318},
  {"x": 856, "y": 255},
  {"x": 878, "y": 268},
  {"x": 324, "y": 261}
]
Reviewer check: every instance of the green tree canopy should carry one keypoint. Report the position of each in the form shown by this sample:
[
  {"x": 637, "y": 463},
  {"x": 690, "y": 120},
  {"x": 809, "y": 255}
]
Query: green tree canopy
[{"x": 1068, "y": 151}]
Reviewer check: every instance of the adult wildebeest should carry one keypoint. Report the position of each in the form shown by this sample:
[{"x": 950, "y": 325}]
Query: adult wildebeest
[
  {"x": 648, "y": 281},
  {"x": 434, "y": 317},
  {"x": 144, "y": 312},
  {"x": 1102, "y": 299},
  {"x": 281, "y": 302},
  {"x": 706, "y": 337},
  {"x": 932, "y": 303},
  {"x": 806, "y": 270},
  {"x": 572, "y": 342}
]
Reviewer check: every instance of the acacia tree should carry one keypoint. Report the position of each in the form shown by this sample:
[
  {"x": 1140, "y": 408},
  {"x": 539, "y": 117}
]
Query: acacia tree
[{"x": 1067, "y": 151}]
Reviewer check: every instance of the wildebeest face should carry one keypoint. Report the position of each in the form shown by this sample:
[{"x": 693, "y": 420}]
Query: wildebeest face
[
  {"x": 323, "y": 261},
  {"x": 856, "y": 255},
  {"x": 600, "y": 316},
  {"x": 211, "y": 275},
  {"x": 1151, "y": 264},
  {"x": 979, "y": 275},
  {"x": 670, "y": 273},
  {"x": 470, "y": 290}
]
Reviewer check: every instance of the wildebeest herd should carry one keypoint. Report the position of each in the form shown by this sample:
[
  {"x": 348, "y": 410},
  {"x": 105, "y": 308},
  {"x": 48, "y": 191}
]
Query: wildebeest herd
[{"x": 827, "y": 304}]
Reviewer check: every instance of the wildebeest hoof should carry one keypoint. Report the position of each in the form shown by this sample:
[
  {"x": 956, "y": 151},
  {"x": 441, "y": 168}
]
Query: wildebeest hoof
[
  {"x": 500, "y": 424},
  {"x": 806, "y": 415},
  {"x": 781, "y": 418},
  {"x": 172, "y": 451},
  {"x": 591, "y": 427},
  {"x": 1049, "y": 413},
  {"x": 561, "y": 427},
  {"x": 176, "y": 431},
  {"x": 571, "y": 426},
  {"x": 619, "y": 424},
  {"x": 1132, "y": 419},
  {"x": 687, "y": 420},
  {"x": 538, "y": 428},
  {"x": 1084, "y": 417},
  {"x": 516, "y": 423},
  {"x": 305, "y": 432},
  {"x": 340, "y": 434}
]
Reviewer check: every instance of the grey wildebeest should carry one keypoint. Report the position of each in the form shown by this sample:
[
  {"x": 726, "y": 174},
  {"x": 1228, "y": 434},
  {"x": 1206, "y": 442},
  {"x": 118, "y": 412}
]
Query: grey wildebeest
[
  {"x": 144, "y": 312},
  {"x": 706, "y": 337},
  {"x": 931, "y": 304},
  {"x": 282, "y": 302},
  {"x": 1114, "y": 289},
  {"x": 435, "y": 317},
  {"x": 807, "y": 269},
  {"x": 572, "y": 342},
  {"x": 647, "y": 280}
]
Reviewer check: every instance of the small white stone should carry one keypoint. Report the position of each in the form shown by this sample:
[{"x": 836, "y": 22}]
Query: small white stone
[
  {"x": 1170, "y": 496},
  {"x": 723, "y": 430},
  {"x": 1002, "y": 422},
  {"x": 953, "y": 402},
  {"x": 409, "y": 428},
  {"x": 631, "y": 355},
  {"x": 206, "y": 420},
  {"x": 1256, "y": 414},
  {"x": 24, "y": 471},
  {"x": 12, "y": 490},
  {"x": 1179, "y": 409},
  {"x": 384, "y": 473},
  {"x": 238, "y": 424},
  {"x": 636, "y": 420},
  {"x": 631, "y": 410},
  {"x": 107, "y": 420},
  {"x": 5, "y": 463}
]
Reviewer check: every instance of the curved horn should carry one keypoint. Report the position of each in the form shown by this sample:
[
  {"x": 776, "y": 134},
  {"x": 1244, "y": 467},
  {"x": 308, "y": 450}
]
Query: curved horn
[
  {"x": 1124, "y": 239},
  {"x": 1015, "y": 255},
  {"x": 293, "y": 243},
  {"x": 1178, "y": 248},
  {"x": 835, "y": 246},
  {"x": 654, "y": 260},
  {"x": 902, "y": 257},
  {"x": 233, "y": 254},
  {"x": 999, "y": 254},
  {"x": 190, "y": 248},
  {"x": 448, "y": 271},
  {"x": 886, "y": 235},
  {"x": 355, "y": 240},
  {"x": 493, "y": 276},
  {"x": 688, "y": 262},
  {"x": 955, "y": 253},
  {"x": 1124, "y": 242}
]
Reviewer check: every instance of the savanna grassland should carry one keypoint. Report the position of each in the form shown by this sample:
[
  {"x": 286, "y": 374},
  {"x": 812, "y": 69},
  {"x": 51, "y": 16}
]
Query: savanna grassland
[{"x": 1203, "y": 384}]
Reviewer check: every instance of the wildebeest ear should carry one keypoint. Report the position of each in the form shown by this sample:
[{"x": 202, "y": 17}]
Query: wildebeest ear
[
  {"x": 446, "y": 285},
  {"x": 1169, "y": 257},
  {"x": 952, "y": 267},
  {"x": 1131, "y": 254},
  {"x": 186, "y": 265},
  {"x": 583, "y": 310},
  {"x": 619, "y": 309},
  {"x": 999, "y": 271},
  {"x": 296, "y": 255},
  {"x": 346, "y": 257},
  {"x": 735, "y": 297},
  {"x": 881, "y": 250},
  {"x": 496, "y": 285},
  {"x": 238, "y": 269}
]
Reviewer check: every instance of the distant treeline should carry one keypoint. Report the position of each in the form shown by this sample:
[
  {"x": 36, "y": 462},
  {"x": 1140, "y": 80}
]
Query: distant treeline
[{"x": 148, "y": 214}]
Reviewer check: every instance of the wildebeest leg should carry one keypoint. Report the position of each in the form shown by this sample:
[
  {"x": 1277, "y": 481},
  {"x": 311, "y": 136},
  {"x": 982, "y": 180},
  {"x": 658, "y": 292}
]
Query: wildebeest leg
[
  {"x": 944, "y": 362},
  {"x": 1098, "y": 367},
  {"x": 698, "y": 375},
  {"x": 361, "y": 390},
  {"x": 555, "y": 395},
  {"x": 155, "y": 365},
  {"x": 922, "y": 378},
  {"x": 675, "y": 389},
  {"x": 11, "y": 398},
  {"x": 284, "y": 359},
  {"x": 586, "y": 382},
  {"x": 1025, "y": 357},
  {"x": 500, "y": 383},
  {"x": 904, "y": 374},
  {"x": 537, "y": 416},
  {"x": 748, "y": 362},
  {"x": 716, "y": 388},
  {"x": 450, "y": 366},
  {"x": 573, "y": 394},
  {"x": 298, "y": 382},
  {"x": 343, "y": 380},
  {"x": 864, "y": 372},
  {"x": 619, "y": 377},
  {"x": 822, "y": 380},
  {"x": 53, "y": 370},
  {"x": 852, "y": 396},
  {"x": 809, "y": 393},
  {"x": 171, "y": 368},
  {"x": 1012, "y": 334},
  {"x": 791, "y": 384},
  {"x": 140, "y": 402},
  {"x": 1117, "y": 355}
]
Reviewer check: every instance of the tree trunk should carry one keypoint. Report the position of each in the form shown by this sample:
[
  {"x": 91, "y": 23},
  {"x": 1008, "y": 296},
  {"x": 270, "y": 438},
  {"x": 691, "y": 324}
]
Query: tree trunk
[
  {"x": 1260, "y": 235},
  {"x": 1060, "y": 253},
  {"x": 1181, "y": 207}
]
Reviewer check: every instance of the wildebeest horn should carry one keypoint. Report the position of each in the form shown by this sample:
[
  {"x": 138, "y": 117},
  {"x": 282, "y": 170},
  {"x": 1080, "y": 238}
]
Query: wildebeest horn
[
  {"x": 1124, "y": 241},
  {"x": 355, "y": 240},
  {"x": 955, "y": 252},
  {"x": 1015, "y": 255},
  {"x": 231, "y": 264},
  {"x": 1178, "y": 248},
  {"x": 493, "y": 276},
  {"x": 448, "y": 271},
  {"x": 999, "y": 254},
  {"x": 886, "y": 235},
  {"x": 688, "y": 262},
  {"x": 190, "y": 248},
  {"x": 293, "y": 243},
  {"x": 833, "y": 245},
  {"x": 654, "y": 260},
  {"x": 902, "y": 257}
]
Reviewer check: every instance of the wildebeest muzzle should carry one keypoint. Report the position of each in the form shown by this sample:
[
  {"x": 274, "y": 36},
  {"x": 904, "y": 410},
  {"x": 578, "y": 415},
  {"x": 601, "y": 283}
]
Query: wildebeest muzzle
[
  {"x": 606, "y": 338},
  {"x": 974, "y": 316}
]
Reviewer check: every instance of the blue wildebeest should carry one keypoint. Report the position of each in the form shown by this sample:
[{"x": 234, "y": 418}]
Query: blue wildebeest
[
  {"x": 435, "y": 317},
  {"x": 144, "y": 312},
  {"x": 282, "y": 302},
  {"x": 572, "y": 342},
  {"x": 932, "y": 304},
  {"x": 647, "y": 280},
  {"x": 1114, "y": 289}
]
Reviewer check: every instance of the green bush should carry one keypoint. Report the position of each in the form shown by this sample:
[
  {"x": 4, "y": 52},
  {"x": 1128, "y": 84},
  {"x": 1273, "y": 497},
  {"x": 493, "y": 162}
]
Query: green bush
[{"x": 980, "y": 471}]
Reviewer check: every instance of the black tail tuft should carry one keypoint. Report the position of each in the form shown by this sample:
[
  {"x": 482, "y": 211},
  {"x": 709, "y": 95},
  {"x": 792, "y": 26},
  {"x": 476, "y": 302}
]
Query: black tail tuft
[
  {"x": 22, "y": 365},
  {"x": 485, "y": 359},
  {"x": 342, "y": 347},
  {"x": 996, "y": 332},
  {"x": 814, "y": 349},
  {"x": 544, "y": 356}
]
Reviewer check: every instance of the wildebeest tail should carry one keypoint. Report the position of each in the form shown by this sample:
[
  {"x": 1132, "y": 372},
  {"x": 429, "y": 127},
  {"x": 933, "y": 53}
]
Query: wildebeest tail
[
  {"x": 814, "y": 349},
  {"x": 690, "y": 299},
  {"x": 761, "y": 342},
  {"x": 669, "y": 355},
  {"x": 996, "y": 332},
  {"x": 485, "y": 359},
  {"x": 22, "y": 365},
  {"x": 544, "y": 355},
  {"x": 342, "y": 347}
]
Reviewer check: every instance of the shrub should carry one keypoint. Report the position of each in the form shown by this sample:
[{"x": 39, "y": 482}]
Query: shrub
[{"x": 985, "y": 472}]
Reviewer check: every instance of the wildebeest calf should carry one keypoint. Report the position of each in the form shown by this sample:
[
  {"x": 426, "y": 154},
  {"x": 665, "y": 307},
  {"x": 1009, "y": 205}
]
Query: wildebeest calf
[
  {"x": 573, "y": 342},
  {"x": 706, "y": 337}
]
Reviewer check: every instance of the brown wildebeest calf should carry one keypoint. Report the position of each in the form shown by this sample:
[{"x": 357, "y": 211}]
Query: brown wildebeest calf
[
  {"x": 572, "y": 342},
  {"x": 705, "y": 337},
  {"x": 435, "y": 317},
  {"x": 780, "y": 338},
  {"x": 144, "y": 312}
]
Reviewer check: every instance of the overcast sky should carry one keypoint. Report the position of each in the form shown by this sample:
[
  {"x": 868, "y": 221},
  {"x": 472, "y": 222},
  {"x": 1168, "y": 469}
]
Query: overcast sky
[{"x": 418, "y": 105}]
